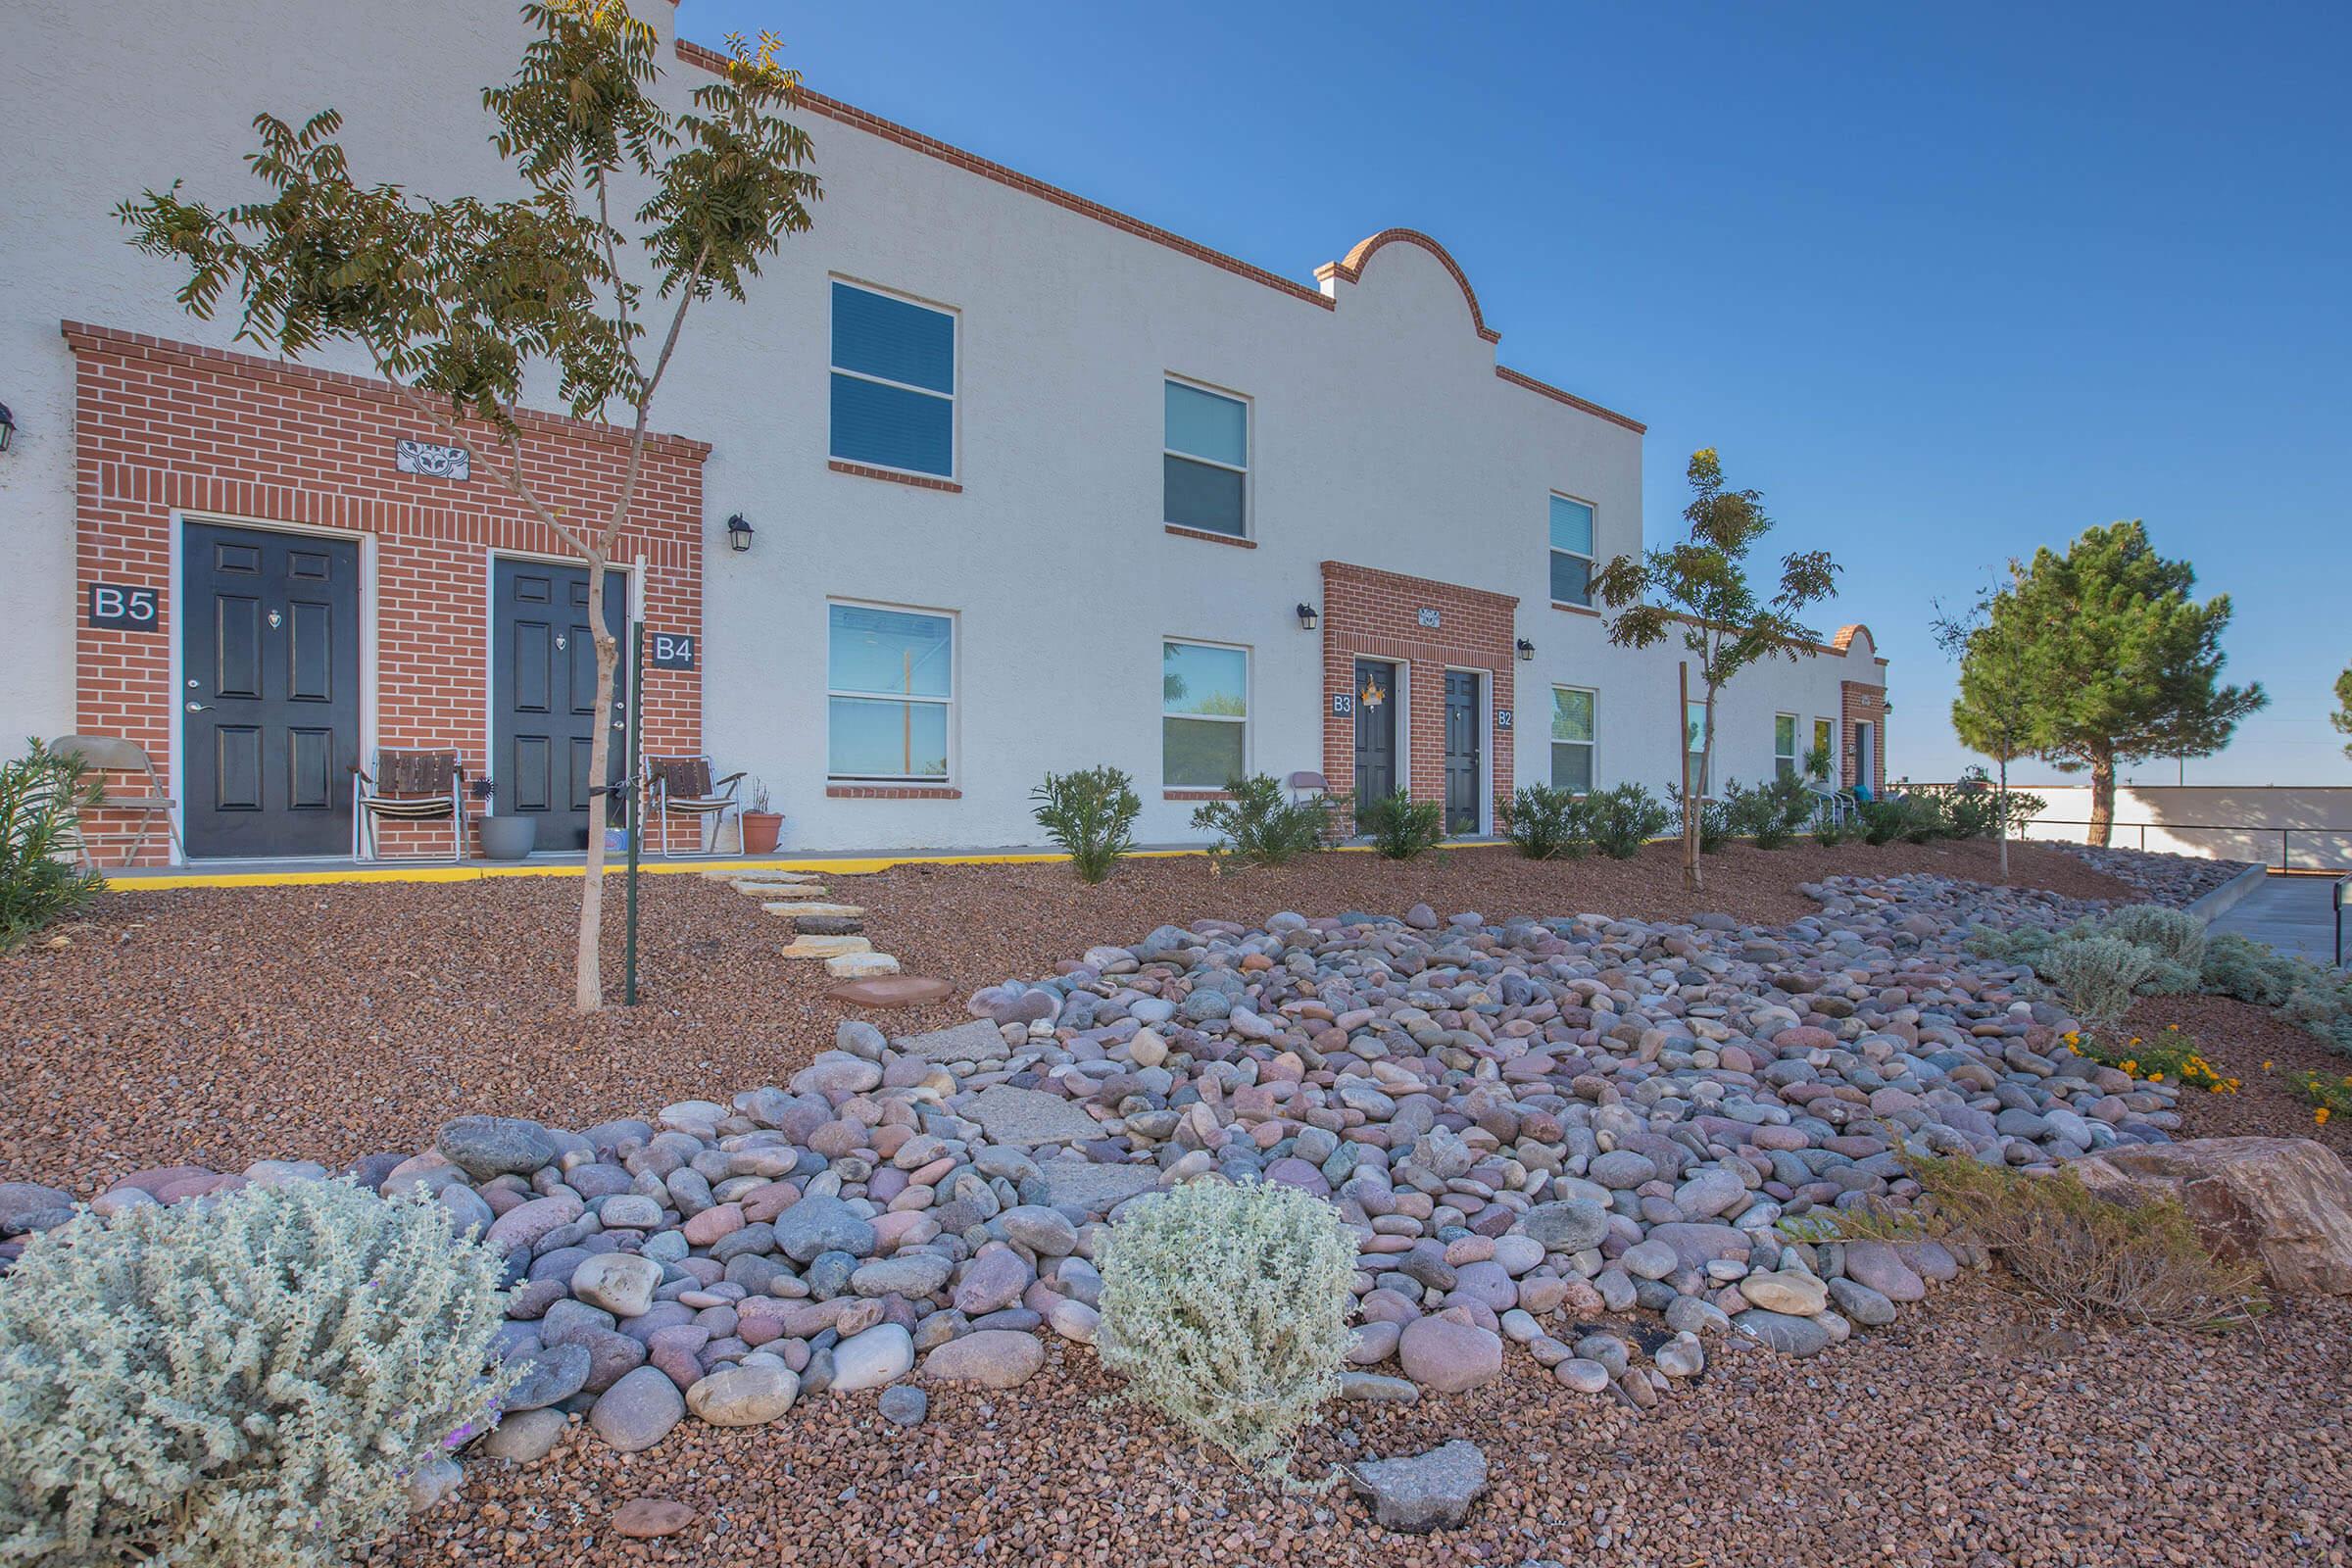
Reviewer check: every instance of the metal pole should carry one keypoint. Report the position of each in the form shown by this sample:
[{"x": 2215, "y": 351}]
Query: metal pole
[{"x": 628, "y": 995}]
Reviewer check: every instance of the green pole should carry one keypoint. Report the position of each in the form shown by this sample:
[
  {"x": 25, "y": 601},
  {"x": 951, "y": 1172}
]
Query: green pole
[{"x": 635, "y": 816}]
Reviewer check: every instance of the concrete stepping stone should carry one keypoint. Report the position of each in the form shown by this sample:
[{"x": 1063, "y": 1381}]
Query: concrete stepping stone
[
  {"x": 738, "y": 875},
  {"x": 1095, "y": 1187},
  {"x": 837, "y": 912},
  {"x": 1010, "y": 1115},
  {"x": 795, "y": 891},
  {"x": 892, "y": 991},
  {"x": 861, "y": 966},
  {"x": 813, "y": 947},
  {"x": 978, "y": 1041}
]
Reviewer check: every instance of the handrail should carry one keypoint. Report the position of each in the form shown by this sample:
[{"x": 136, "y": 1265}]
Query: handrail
[{"x": 2285, "y": 834}]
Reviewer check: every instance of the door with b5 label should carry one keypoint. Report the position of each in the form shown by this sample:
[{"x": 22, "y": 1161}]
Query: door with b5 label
[{"x": 270, "y": 691}]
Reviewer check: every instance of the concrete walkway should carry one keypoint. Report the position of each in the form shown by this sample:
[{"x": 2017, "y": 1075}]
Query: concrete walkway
[{"x": 2292, "y": 915}]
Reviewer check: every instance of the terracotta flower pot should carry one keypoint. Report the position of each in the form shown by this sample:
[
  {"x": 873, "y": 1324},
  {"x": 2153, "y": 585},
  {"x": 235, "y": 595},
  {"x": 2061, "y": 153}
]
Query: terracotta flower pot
[{"x": 761, "y": 830}]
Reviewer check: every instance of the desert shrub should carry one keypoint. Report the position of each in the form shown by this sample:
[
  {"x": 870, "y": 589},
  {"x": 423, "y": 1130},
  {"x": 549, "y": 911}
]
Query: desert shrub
[
  {"x": 2175, "y": 935},
  {"x": 1830, "y": 830},
  {"x": 1623, "y": 819},
  {"x": 1901, "y": 819},
  {"x": 1259, "y": 825},
  {"x": 2020, "y": 944},
  {"x": 1970, "y": 814},
  {"x": 2098, "y": 976},
  {"x": 41, "y": 799},
  {"x": 244, "y": 1382},
  {"x": 1773, "y": 813},
  {"x": 1714, "y": 816},
  {"x": 2247, "y": 969},
  {"x": 1091, "y": 815},
  {"x": 1402, "y": 827},
  {"x": 2140, "y": 1262},
  {"x": 1226, "y": 1309},
  {"x": 1544, "y": 824}
]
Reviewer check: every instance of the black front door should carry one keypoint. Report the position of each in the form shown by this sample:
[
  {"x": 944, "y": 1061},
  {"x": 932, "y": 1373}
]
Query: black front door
[
  {"x": 269, "y": 695},
  {"x": 543, "y": 694},
  {"x": 1375, "y": 700},
  {"x": 1461, "y": 752}
]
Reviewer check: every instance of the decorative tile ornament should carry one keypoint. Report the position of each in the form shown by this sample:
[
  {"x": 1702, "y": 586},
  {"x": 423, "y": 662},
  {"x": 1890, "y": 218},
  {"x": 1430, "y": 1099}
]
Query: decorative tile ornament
[
  {"x": 433, "y": 462},
  {"x": 1426, "y": 618}
]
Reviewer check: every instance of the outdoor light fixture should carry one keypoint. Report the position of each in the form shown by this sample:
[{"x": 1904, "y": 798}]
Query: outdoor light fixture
[
  {"x": 8, "y": 427},
  {"x": 1306, "y": 618},
  {"x": 1527, "y": 649},
  {"x": 739, "y": 534}
]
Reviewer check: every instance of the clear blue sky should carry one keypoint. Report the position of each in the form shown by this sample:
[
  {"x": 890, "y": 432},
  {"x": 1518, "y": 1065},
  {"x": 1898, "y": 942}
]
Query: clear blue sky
[{"x": 1946, "y": 283}]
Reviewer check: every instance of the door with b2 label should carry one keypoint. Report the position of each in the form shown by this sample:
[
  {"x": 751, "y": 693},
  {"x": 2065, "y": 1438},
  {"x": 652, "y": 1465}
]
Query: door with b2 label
[{"x": 269, "y": 695}]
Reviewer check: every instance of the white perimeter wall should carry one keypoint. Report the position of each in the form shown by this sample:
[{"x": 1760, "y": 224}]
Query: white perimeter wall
[
  {"x": 2219, "y": 822},
  {"x": 1381, "y": 435}
]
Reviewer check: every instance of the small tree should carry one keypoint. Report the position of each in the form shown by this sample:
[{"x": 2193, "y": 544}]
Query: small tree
[
  {"x": 2342, "y": 718},
  {"x": 1993, "y": 714},
  {"x": 1699, "y": 588},
  {"x": 2113, "y": 663},
  {"x": 459, "y": 302}
]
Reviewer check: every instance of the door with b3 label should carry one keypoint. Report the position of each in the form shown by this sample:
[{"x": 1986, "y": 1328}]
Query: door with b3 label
[{"x": 270, "y": 692}]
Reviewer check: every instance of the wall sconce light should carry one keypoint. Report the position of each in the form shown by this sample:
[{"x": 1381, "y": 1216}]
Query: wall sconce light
[
  {"x": 8, "y": 427},
  {"x": 1306, "y": 618},
  {"x": 1527, "y": 649},
  {"x": 739, "y": 534}
]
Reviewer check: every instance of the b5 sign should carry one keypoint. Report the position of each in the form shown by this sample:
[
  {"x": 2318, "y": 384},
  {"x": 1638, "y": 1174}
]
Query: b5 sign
[{"x": 124, "y": 608}]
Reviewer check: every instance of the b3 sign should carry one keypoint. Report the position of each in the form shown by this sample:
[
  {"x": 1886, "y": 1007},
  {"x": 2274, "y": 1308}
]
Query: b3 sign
[{"x": 123, "y": 608}]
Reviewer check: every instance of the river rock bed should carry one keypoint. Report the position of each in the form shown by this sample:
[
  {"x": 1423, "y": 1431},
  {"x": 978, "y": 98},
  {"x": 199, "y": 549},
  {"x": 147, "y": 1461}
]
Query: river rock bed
[
  {"x": 2174, "y": 880},
  {"x": 1534, "y": 1128}
]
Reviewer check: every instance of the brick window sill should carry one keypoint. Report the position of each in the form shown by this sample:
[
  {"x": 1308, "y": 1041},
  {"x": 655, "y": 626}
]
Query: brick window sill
[
  {"x": 1210, "y": 538},
  {"x": 917, "y": 480},
  {"x": 1577, "y": 610},
  {"x": 1195, "y": 795},
  {"x": 892, "y": 792}
]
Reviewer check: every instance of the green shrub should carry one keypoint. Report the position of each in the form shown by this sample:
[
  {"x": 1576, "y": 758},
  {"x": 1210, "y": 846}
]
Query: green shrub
[
  {"x": 1260, "y": 827},
  {"x": 1831, "y": 829},
  {"x": 42, "y": 798},
  {"x": 2098, "y": 976},
  {"x": 1226, "y": 1309},
  {"x": 2247, "y": 969},
  {"x": 1714, "y": 817},
  {"x": 1091, "y": 815},
  {"x": 244, "y": 1382},
  {"x": 1773, "y": 813},
  {"x": 1545, "y": 823},
  {"x": 1621, "y": 820},
  {"x": 2024, "y": 944},
  {"x": 2175, "y": 935},
  {"x": 1402, "y": 827},
  {"x": 1900, "y": 818}
]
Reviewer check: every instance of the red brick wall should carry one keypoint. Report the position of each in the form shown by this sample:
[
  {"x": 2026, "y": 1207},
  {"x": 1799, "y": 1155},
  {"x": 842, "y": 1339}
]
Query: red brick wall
[
  {"x": 1867, "y": 703},
  {"x": 1372, "y": 614},
  {"x": 160, "y": 426}
]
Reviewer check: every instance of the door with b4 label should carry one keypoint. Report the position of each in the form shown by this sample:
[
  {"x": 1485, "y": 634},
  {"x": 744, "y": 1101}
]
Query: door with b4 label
[
  {"x": 543, "y": 694},
  {"x": 269, "y": 695}
]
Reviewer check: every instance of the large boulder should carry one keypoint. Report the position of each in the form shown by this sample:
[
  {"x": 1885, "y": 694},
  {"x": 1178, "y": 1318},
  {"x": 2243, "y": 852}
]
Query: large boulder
[{"x": 2285, "y": 1202}]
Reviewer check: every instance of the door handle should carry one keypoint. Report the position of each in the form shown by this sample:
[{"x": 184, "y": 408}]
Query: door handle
[{"x": 197, "y": 708}]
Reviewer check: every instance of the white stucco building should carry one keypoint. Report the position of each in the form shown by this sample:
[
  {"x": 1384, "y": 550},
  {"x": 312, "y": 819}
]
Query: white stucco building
[{"x": 1035, "y": 485}]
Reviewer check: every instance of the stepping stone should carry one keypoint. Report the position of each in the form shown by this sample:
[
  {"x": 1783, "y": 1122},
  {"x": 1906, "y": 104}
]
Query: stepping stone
[
  {"x": 1095, "y": 1187},
  {"x": 977, "y": 1041},
  {"x": 1010, "y": 1115},
  {"x": 824, "y": 946},
  {"x": 859, "y": 965},
  {"x": 842, "y": 912},
  {"x": 892, "y": 991},
  {"x": 795, "y": 891},
  {"x": 760, "y": 876},
  {"x": 826, "y": 925}
]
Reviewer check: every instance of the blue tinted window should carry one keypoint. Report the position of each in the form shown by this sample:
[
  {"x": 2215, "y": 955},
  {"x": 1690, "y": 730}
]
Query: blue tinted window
[
  {"x": 874, "y": 334},
  {"x": 893, "y": 379},
  {"x": 892, "y": 427}
]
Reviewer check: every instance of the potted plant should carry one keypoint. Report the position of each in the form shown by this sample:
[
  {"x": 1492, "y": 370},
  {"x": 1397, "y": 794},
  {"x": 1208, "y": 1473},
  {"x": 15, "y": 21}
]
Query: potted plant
[
  {"x": 504, "y": 838},
  {"x": 762, "y": 827}
]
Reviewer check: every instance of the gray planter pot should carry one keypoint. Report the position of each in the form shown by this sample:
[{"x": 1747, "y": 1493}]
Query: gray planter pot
[{"x": 509, "y": 838}]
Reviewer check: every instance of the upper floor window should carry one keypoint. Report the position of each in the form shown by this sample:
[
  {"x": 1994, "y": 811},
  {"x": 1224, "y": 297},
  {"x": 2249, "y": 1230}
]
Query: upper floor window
[
  {"x": 1784, "y": 745},
  {"x": 890, "y": 685},
  {"x": 1205, "y": 460},
  {"x": 1572, "y": 739},
  {"x": 1205, "y": 715},
  {"x": 894, "y": 382},
  {"x": 1571, "y": 557}
]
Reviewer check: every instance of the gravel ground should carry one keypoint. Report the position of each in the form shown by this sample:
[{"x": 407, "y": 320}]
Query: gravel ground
[
  {"x": 2237, "y": 1038},
  {"x": 2176, "y": 880},
  {"x": 1975, "y": 1434},
  {"x": 222, "y": 1026}
]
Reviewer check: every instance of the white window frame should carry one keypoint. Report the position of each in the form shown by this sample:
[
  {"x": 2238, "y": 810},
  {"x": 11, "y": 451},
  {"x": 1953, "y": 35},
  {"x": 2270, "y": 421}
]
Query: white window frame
[
  {"x": 953, "y": 397},
  {"x": 1591, "y": 747},
  {"x": 1797, "y": 756},
  {"x": 1249, "y": 705},
  {"x": 1249, "y": 445},
  {"x": 1592, "y": 562},
  {"x": 1825, "y": 734},
  {"x": 948, "y": 701}
]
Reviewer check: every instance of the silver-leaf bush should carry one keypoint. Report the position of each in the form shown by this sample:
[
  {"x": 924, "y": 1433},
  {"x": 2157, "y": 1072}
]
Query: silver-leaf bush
[{"x": 2098, "y": 976}]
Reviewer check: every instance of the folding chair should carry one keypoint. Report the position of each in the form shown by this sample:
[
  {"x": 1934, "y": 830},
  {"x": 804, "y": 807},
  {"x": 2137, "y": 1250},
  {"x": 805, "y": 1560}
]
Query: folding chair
[
  {"x": 683, "y": 786},
  {"x": 112, "y": 753},
  {"x": 408, "y": 787}
]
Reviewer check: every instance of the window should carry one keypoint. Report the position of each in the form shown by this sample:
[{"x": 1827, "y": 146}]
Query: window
[
  {"x": 1695, "y": 737},
  {"x": 1204, "y": 715},
  {"x": 1572, "y": 739},
  {"x": 894, "y": 382},
  {"x": 1205, "y": 464},
  {"x": 890, "y": 677},
  {"x": 1825, "y": 750},
  {"x": 1784, "y": 745},
  {"x": 1571, "y": 552}
]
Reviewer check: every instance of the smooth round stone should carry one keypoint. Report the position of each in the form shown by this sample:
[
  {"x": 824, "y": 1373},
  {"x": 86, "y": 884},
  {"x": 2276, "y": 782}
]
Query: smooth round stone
[
  {"x": 1622, "y": 1168},
  {"x": 1047, "y": 1232},
  {"x": 622, "y": 1283},
  {"x": 1487, "y": 1284},
  {"x": 1581, "y": 1375},
  {"x": 524, "y": 1436},
  {"x": 913, "y": 1276},
  {"x": 994, "y": 1358},
  {"x": 1799, "y": 1337},
  {"x": 1372, "y": 1342},
  {"x": 904, "y": 1404},
  {"x": 747, "y": 1396},
  {"x": 1440, "y": 1353},
  {"x": 1682, "y": 1356},
  {"x": 651, "y": 1518},
  {"x": 1649, "y": 1260},
  {"x": 638, "y": 1411},
  {"x": 630, "y": 1211},
  {"x": 881, "y": 1354},
  {"x": 1516, "y": 1254},
  {"x": 1787, "y": 1292}
]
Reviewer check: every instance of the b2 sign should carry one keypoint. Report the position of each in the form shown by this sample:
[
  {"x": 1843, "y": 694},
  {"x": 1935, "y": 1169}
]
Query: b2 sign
[{"x": 121, "y": 607}]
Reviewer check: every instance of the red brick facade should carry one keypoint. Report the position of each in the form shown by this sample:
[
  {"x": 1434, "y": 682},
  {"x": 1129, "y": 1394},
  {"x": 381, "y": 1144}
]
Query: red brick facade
[
  {"x": 162, "y": 428},
  {"x": 1376, "y": 614},
  {"x": 1866, "y": 704}
]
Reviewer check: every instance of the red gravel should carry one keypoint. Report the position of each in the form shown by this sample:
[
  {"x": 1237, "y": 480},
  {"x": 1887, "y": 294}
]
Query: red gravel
[
  {"x": 1973, "y": 1434},
  {"x": 2237, "y": 1038},
  {"x": 222, "y": 1026}
]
